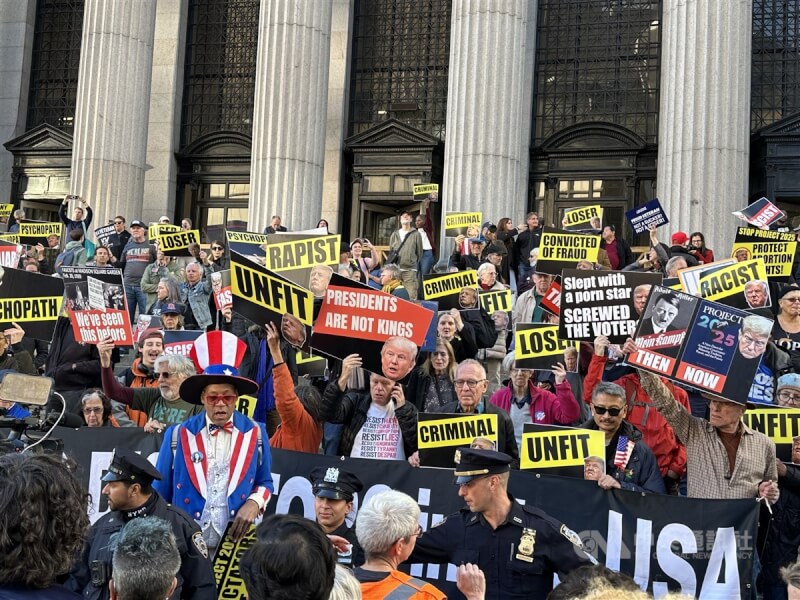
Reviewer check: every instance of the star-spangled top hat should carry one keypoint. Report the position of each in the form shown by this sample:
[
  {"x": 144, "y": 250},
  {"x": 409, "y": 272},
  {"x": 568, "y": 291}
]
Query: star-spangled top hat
[{"x": 216, "y": 356}]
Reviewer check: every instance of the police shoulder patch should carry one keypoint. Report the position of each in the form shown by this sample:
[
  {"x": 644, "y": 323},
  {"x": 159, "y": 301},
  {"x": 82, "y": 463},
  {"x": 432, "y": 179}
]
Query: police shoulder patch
[
  {"x": 442, "y": 522},
  {"x": 200, "y": 544},
  {"x": 571, "y": 536}
]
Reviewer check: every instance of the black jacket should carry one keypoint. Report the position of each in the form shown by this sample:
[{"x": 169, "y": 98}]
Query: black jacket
[
  {"x": 66, "y": 353},
  {"x": 350, "y": 409},
  {"x": 683, "y": 253},
  {"x": 783, "y": 538},
  {"x": 506, "y": 441},
  {"x": 417, "y": 389},
  {"x": 526, "y": 241},
  {"x": 623, "y": 251}
]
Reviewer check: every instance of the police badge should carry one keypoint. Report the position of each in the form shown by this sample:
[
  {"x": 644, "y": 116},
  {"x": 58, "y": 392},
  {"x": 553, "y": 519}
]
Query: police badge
[
  {"x": 200, "y": 544},
  {"x": 332, "y": 475},
  {"x": 527, "y": 541}
]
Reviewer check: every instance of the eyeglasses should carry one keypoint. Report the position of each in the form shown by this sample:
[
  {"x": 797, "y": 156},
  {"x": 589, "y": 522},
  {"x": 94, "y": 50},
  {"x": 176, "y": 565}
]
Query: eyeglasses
[
  {"x": 470, "y": 383},
  {"x": 749, "y": 341},
  {"x": 221, "y": 398},
  {"x": 217, "y": 248},
  {"x": 119, "y": 222},
  {"x": 789, "y": 398},
  {"x": 601, "y": 410},
  {"x": 93, "y": 410},
  {"x": 163, "y": 374},
  {"x": 793, "y": 299},
  {"x": 418, "y": 533}
]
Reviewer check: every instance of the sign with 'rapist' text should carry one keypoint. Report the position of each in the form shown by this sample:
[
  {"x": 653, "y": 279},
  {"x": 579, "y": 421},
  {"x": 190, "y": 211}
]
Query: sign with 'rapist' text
[
  {"x": 601, "y": 303},
  {"x": 384, "y": 330}
]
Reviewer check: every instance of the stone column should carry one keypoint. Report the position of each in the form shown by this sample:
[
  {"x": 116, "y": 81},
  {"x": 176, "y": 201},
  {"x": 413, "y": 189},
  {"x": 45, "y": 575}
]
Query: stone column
[
  {"x": 290, "y": 113},
  {"x": 110, "y": 143},
  {"x": 704, "y": 120},
  {"x": 16, "y": 46},
  {"x": 484, "y": 152},
  {"x": 169, "y": 49}
]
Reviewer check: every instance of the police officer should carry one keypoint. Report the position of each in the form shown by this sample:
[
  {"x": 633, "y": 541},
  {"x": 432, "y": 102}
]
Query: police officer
[
  {"x": 130, "y": 496},
  {"x": 518, "y": 548},
  {"x": 333, "y": 500}
]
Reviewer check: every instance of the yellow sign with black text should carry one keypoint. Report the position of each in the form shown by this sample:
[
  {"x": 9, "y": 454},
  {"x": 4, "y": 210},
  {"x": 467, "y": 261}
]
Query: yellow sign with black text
[
  {"x": 448, "y": 285},
  {"x": 304, "y": 253},
  {"x": 158, "y": 229},
  {"x": 731, "y": 280},
  {"x": 777, "y": 423},
  {"x": 257, "y": 239},
  {"x": 422, "y": 191},
  {"x": 10, "y": 237},
  {"x": 456, "y": 431},
  {"x": 583, "y": 218},
  {"x": 460, "y": 223},
  {"x": 556, "y": 448},
  {"x": 170, "y": 243},
  {"x": 39, "y": 229},
  {"x": 21, "y": 310},
  {"x": 277, "y": 295},
  {"x": 6, "y": 210},
  {"x": 499, "y": 300},
  {"x": 568, "y": 247},
  {"x": 539, "y": 341},
  {"x": 226, "y": 564},
  {"x": 777, "y": 256}
]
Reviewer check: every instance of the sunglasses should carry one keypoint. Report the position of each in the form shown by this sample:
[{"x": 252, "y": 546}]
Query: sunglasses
[
  {"x": 221, "y": 398},
  {"x": 163, "y": 374},
  {"x": 217, "y": 248},
  {"x": 601, "y": 410}
]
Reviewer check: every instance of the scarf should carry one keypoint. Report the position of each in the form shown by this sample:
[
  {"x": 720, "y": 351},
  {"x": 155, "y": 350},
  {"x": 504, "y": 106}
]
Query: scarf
[{"x": 389, "y": 287}]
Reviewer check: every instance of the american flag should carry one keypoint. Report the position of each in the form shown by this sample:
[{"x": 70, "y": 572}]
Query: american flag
[{"x": 624, "y": 451}]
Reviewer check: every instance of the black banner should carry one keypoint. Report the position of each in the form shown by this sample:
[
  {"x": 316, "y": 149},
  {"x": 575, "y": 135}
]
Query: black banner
[
  {"x": 31, "y": 300},
  {"x": 701, "y": 547}
]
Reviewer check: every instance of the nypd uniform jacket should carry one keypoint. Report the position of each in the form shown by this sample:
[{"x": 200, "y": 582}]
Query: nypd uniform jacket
[
  {"x": 184, "y": 473},
  {"x": 196, "y": 575},
  {"x": 518, "y": 558}
]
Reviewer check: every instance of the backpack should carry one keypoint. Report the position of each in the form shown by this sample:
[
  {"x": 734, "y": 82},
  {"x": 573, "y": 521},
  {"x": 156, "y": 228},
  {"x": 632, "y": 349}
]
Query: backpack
[{"x": 65, "y": 259}]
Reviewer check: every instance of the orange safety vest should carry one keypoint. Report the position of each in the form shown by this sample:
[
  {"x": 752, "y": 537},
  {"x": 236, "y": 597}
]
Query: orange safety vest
[{"x": 399, "y": 586}]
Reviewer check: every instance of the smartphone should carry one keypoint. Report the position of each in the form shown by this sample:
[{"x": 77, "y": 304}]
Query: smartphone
[{"x": 73, "y": 197}]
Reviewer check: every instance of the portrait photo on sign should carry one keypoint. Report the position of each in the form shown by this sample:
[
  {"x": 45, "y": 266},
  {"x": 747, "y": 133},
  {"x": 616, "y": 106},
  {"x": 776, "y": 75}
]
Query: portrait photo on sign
[
  {"x": 221, "y": 289},
  {"x": 305, "y": 259},
  {"x": 97, "y": 305},
  {"x": 384, "y": 330}
]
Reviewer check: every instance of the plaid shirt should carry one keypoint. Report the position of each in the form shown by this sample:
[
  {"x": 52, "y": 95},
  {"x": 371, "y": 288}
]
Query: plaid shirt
[{"x": 707, "y": 459}]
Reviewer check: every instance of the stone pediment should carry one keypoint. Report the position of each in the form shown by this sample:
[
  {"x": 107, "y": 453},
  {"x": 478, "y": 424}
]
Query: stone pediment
[
  {"x": 43, "y": 139},
  {"x": 391, "y": 134},
  {"x": 586, "y": 137},
  {"x": 786, "y": 127}
]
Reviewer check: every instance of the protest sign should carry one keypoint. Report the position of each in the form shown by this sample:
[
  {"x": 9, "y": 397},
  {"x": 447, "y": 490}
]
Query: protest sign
[
  {"x": 309, "y": 365},
  {"x": 462, "y": 223},
  {"x": 429, "y": 345},
  {"x": 356, "y": 319},
  {"x": 180, "y": 342},
  {"x": 226, "y": 563},
  {"x": 221, "y": 289},
  {"x": 36, "y": 232},
  {"x": 761, "y": 213},
  {"x": 560, "y": 250},
  {"x": 497, "y": 300},
  {"x": 600, "y": 303},
  {"x": 97, "y": 305},
  {"x": 741, "y": 285},
  {"x": 6, "y": 210},
  {"x": 11, "y": 238},
  {"x": 560, "y": 450},
  {"x": 446, "y": 288},
  {"x": 103, "y": 235},
  {"x": 263, "y": 296},
  {"x": 143, "y": 323},
  {"x": 248, "y": 244},
  {"x": 537, "y": 346},
  {"x": 425, "y": 191},
  {"x": 9, "y": 254},
  {"x": 177, "y": 243},
  {"x": 713, "y": 347},
  {"x": 552, "y": 297},
  {"x": 303, "y": 258},
  {"x": 439, "y": 435},
  {"x": 31, "y": 300},
  {"x": 779, "y": 424},
  {"x": 775, "y": 248},
  {"x": 703, "y": 548},
  {"x": 642, "y": 217},
  {"x": 583, "y": 218},
  {"x": 156, "y": 230}
]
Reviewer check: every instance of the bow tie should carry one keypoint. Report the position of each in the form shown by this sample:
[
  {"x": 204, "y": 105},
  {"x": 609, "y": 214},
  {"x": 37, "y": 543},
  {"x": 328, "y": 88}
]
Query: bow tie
[{"x": 214, "y": 429}]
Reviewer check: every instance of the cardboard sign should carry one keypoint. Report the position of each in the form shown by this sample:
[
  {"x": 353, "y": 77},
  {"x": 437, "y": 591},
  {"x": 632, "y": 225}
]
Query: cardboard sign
[
  {"x": 499, "y": 300},
  {"x": 425, "y": 191},
  {"x": 775, "y": 248},
  {"x": 560, "y": 450},
  {"x": 559, "y": 250},
  {"x": 36, "y": 232},
  {"x": 600, "y": 303},
  {"x": 552, "y": 297},
  {"x": 247, "y": 244},
  {"x": 690, "y": 276},
  {"x": 761, "y": 213},
  {"x": 642, "y": 217},
  {"x": 9, "y": 255},
  {"x": 537, "y": 346},
  {"x": 741, "y": 285},
  {"x": 103, "y": 235},
  {"x": 263, "y": 296},
  {"x": 31, "y": 300},
  {"x": 226, "y": 563},
  {"x": 700, "y": 343},
  {"x": 96, "y": 302},
  {"x": 6, "y": 210},
  {"x": 356, "y": 319},
  {"x": 446, "y": 288},
  {"x": 156, "y": 230},
  {"x": 221, "y": 289},
  {"x": 439, "y": 435},
  {"x": 463, "y": 223},
  {"x": 583, "y": 218},
  {"x": 777, "y": 423},
  {"x": 305, "y": 259},
  {"x": 309, "y": 365},
  {"x": 180, "y": 342},
  {"x": 177, "y": 243}
]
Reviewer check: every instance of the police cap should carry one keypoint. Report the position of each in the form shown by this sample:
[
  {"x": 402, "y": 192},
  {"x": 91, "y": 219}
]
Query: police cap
[
  {"x": 127, "y": 465},
  {"x": 476, "y": 462},
  {"x": 334, "y": 483}
]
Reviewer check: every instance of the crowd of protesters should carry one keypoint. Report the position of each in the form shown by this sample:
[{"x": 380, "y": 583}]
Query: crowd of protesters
[{"x": 683, "y": 442}]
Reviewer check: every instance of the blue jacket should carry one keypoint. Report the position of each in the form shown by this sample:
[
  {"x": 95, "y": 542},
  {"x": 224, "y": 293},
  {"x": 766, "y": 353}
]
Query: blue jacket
[{"x": 184, "y": 481}]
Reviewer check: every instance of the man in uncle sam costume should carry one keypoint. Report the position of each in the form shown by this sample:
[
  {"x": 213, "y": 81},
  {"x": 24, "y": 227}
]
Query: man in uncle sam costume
[{"x": 216, "y": 465}]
